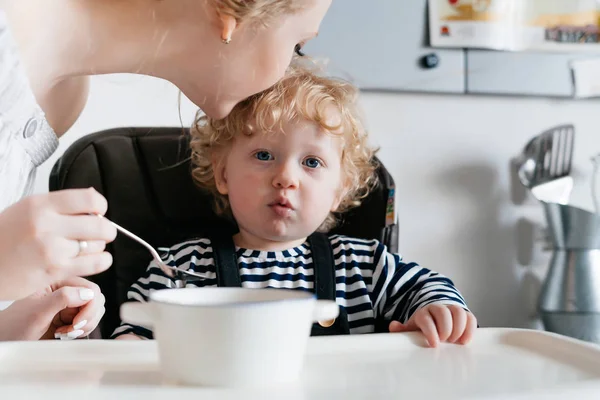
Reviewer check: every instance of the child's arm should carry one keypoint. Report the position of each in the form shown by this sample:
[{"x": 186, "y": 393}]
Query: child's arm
[
  {"x": 414, "y": 298},
  {"x": 194, "y": 254},
  {"x": 154, "y": 279},
  {"x": 128, "y": 336}
]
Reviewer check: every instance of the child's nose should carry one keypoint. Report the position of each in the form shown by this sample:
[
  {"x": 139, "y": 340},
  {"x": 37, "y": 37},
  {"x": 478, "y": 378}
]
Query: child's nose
[{"x": 286, "y": 178}]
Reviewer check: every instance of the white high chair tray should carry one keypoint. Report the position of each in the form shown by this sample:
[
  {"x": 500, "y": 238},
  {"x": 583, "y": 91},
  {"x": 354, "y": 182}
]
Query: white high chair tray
[{"x": 499, "y": 363}]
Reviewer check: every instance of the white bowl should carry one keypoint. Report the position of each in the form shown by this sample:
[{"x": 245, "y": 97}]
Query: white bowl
[{"x": 230, "y": 337}]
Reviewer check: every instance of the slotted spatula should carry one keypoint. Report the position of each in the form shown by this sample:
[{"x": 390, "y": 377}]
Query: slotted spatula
[{"x": 545, "y": 164}]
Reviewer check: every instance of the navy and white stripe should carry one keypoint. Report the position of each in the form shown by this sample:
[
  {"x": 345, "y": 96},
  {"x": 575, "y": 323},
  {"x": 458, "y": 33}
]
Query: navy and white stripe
[{"x": 371, "y": 284}]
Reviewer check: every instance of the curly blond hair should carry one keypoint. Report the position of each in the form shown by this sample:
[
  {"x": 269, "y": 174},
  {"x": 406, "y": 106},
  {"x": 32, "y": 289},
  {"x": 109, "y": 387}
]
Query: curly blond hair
[
  {"x": 258, "y": 11},
  {"x": 301, "y": 95}
]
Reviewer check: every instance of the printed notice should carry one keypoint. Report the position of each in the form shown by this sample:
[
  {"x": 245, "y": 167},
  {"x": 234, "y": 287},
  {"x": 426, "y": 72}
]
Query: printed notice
[{"x": 516, "y": 25}]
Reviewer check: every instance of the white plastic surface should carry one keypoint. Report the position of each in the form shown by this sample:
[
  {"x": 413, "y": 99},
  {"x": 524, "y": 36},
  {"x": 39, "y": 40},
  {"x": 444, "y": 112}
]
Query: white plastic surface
[{"x": 499, "y": 363}]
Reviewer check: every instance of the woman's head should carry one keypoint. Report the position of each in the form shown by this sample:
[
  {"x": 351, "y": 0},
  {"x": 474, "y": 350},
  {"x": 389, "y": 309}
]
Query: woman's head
[
  {"x": 304, "y": 119},
  {"x": 264, "y": 35}
]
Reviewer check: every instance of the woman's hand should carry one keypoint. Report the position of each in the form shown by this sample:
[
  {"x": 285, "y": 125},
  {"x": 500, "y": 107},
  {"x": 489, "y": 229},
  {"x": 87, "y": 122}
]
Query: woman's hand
[
  {"x": 440, "y": 323},
  {"x": 67, "y": 310},
  {"x": 43, "y": 240}
]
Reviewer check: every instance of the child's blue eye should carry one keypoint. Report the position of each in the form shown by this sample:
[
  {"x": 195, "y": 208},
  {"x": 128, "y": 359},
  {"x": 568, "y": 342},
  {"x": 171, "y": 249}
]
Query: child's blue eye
[
  {"x": 312, "y": 162},
  {"x": 263, "y": 155}
]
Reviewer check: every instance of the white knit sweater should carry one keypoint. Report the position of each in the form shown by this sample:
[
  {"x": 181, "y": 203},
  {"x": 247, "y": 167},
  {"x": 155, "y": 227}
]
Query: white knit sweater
[{"x": 26, "y": 139}]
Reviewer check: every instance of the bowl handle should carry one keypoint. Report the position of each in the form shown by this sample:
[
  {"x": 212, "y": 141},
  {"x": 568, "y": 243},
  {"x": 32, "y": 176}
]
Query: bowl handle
[{"x": 325, "y": 310}]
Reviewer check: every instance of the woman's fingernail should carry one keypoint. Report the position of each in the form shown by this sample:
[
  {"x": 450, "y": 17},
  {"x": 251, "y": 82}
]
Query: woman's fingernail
[
  {"x": 74, "y": 334},
  {"x": 86, "y": 294},
  {"x": 80, "y": 325}
]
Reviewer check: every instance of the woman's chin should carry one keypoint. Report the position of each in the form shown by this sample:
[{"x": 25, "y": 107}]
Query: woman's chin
[{"x": 217, "y": 110}]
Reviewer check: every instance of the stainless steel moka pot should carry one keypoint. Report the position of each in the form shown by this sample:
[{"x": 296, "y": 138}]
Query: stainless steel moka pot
[{"x": 569, "y": 301}]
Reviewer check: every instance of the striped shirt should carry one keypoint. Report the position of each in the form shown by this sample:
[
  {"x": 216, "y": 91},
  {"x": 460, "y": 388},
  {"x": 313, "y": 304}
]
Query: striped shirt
[{"x": 371, "y": 283}]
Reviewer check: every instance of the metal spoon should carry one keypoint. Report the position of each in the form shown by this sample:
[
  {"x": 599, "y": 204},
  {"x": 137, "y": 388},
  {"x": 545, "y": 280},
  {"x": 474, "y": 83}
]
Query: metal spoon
[{"x": 167, "y": 269}]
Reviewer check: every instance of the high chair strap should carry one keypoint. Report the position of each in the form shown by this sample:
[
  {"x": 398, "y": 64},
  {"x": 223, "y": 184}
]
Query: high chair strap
[
  {"x": 228, "y": 273},
  {"x": 324, "y": 266},
  {"x": 324, "y": 270}
]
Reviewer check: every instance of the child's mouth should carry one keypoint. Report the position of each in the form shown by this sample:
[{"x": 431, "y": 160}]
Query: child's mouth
[
  {"x": 282, "y": 207},
  {"x": 282, "y": 211}
]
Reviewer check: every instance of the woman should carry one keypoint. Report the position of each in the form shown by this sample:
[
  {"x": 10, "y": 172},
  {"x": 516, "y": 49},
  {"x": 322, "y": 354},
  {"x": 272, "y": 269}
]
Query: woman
[{"x": 217, "y": 52}]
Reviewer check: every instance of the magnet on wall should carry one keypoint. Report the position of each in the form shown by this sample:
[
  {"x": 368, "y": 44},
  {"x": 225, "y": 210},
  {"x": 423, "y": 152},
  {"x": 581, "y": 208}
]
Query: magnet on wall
[{"x": 430, "y": 61}]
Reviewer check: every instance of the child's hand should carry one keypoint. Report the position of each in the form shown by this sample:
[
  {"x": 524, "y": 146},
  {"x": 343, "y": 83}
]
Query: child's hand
[{"x": 440, "y": 323}]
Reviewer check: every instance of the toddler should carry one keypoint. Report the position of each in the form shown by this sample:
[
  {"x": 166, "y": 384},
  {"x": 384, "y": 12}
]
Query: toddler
[{"x": 282, "y": 165}]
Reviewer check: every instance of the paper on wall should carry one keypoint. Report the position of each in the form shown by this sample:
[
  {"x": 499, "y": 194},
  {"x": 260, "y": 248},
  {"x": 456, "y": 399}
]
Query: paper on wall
[
  {"x": 586, "y": 77},
  {"x": 516, "y": 25}
]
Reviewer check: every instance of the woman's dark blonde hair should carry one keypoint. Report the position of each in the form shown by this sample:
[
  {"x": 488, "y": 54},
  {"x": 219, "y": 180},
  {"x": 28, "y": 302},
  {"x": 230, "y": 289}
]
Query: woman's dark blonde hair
[
  {"x": 258, "y": 11},
  {"x": 301, "y": 94}
]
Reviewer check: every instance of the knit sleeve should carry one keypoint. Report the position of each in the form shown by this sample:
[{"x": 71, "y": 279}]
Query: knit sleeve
[{"x": 401, "y": 288}]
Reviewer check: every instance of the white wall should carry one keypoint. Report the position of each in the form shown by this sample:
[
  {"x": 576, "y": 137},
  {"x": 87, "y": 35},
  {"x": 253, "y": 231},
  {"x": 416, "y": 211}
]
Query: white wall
[{"x": 450, "y": 158}]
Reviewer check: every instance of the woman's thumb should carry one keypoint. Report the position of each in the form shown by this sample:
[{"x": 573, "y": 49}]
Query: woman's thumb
[{"x": 68, "y": 297}]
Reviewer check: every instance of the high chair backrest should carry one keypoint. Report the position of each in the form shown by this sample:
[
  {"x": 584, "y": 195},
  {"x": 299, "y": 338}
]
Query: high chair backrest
[{"x": 144, "y": 173}]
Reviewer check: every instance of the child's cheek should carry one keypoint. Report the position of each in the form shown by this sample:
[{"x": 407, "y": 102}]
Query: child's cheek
[
  {"x": 247, "y": 185},
  {"x": 250, "y": 178}
]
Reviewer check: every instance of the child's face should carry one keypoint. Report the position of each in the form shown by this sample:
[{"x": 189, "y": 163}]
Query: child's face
[{"x": 282, "y": 186}]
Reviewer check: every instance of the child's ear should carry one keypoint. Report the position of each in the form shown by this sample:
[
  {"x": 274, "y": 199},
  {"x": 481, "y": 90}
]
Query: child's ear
[
  {"x": 220, "y": 175},
  {"x": 335, "y": 206},
  {"x": 341, "y": 194}
]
